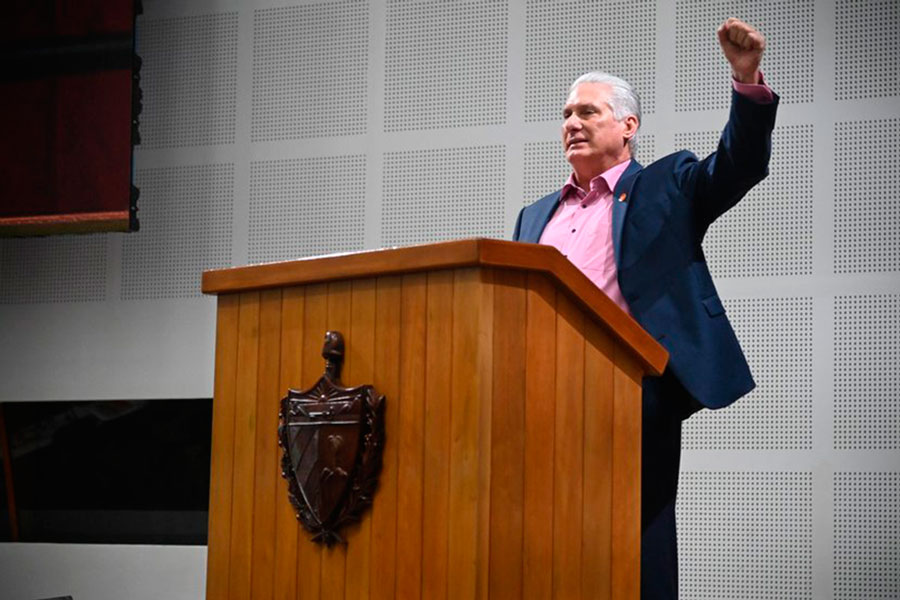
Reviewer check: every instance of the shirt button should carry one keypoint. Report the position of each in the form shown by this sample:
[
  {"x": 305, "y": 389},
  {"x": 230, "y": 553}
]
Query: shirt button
[
  {"x": 573, "y": 231},
  {"x": 584, "y": 206}
]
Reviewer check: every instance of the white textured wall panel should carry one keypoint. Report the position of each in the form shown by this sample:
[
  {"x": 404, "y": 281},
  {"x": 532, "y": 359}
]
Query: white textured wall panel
[
  {"x": 699, "y": 65},
  {"x": 304, "y": 207},
  {"x": 745, "y": 535},
  {"x": 53, "y": 270},
  {"x": 310, "y": 71},
  {"x": 189, "y": 80},
  {"x": 565, "y": 38}
]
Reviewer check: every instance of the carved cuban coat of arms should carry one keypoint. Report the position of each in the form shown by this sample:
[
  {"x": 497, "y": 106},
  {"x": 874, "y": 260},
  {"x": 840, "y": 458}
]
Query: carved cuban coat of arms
[{"x": 331, "y": 438}]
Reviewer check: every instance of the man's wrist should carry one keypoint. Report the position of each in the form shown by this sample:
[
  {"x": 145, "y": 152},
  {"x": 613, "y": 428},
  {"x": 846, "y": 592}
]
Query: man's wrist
[
  {"x": 758, "y": 91},
  {"x": 747, "y": 79}
]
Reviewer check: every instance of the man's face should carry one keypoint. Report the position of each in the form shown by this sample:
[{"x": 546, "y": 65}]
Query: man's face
[{"x": 590, "y": 132}]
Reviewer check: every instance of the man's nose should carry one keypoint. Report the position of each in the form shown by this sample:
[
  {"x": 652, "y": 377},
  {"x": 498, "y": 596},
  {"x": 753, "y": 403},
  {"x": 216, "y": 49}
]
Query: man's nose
[{"x": 571, "y": 123}]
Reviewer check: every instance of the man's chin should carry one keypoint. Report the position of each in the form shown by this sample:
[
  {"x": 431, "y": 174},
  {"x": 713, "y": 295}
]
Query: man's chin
[{"x": 575, "y": 154}]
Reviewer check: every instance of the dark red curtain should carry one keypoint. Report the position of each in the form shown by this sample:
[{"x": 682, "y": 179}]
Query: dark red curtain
[{"x": 68, "y": 109}]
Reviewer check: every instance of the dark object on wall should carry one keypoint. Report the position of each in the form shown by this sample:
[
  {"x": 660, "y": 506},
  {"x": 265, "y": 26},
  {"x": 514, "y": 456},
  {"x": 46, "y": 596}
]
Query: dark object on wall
[
  {"x": 110, "y": 471},
  {"x": 69, "y": 102},
  {"x": 332, "y": 439}
]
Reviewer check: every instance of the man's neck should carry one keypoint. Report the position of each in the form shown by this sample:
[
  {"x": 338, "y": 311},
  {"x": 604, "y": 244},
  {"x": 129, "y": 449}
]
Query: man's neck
[{"x": 584, "y": 174}]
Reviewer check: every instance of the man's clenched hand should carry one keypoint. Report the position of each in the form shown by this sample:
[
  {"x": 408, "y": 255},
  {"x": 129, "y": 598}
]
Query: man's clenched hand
[{"x": 743, "y": 47}]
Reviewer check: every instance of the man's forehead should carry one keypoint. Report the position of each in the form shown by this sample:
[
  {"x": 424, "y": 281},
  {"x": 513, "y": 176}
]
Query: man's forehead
[{"x": 589, "y": 92}]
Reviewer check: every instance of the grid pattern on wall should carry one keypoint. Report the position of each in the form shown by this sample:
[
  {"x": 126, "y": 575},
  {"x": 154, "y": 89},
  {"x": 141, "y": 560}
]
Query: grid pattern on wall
[
  {"x": 53, "y": 270},
  {"x": 445, "y": 64},
  {"x": 756, "y": 527},
  {"x": 310, "y": 71},
  {"x": 699, "y": 68},
  {"x": 622, "y": 42},
  {"x": 291, "y": 128},
  {"x": 304, "y": 207},
  {"x": 189, "y": 80},
  {"x": 186, "y": 223},
  {"x": 867, "y": 45},
  {"x": 866, "y": 188},
  {"x": 866, "y": 373},
  {"x": 462, "y": 196},
  {"x": 866, "y": 530}
]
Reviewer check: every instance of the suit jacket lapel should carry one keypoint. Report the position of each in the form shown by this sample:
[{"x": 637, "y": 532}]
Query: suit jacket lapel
[
  {"x": 545, "y": 208},
  {"x": 620, "y": 207}
]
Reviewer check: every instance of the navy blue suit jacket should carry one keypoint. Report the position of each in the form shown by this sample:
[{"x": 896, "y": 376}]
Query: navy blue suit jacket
[{"x": 660, "y": 214}]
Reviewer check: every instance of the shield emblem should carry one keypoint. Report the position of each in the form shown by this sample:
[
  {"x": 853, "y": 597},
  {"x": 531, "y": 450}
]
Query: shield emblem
[
  {"x": 324, "y": 444},
  {"x": 331, "y": 439}
]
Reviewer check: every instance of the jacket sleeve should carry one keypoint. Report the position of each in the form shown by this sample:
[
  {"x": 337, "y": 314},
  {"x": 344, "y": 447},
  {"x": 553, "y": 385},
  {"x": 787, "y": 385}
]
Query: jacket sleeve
[{"x": 740, "y": 161}]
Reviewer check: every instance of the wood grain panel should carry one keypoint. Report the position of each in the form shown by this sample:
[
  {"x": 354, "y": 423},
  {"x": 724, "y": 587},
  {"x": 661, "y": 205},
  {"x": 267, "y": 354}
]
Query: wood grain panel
[
  {"x": 436, "y": 465},
  {"x": 244, "y": 450},
  {"x": 508, "y": 435},
  {"x": 484, "y": 360},
  {"x": 540, "y": 419},
  {"x": 465, "y": 415},
  {"x": 569, "y": 450},
  {"x": 360, "y": 370},
  {"x": 315, "y": 324},
  {"x": 287, "y": 527},
  {"x": 598, "y": 435},
  {"x": 267, "y": 456},
  {"x": 626, "y": 484},
  {"x": 221, "y": 464},
  {"x": 334, "y": 559},
  {"x": 411, "y": 435},
  {"x": 387, "y": 381}
]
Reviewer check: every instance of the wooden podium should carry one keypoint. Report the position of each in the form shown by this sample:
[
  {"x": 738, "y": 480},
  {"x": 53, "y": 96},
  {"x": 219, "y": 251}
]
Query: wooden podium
[{"x": 513, "y": 425}]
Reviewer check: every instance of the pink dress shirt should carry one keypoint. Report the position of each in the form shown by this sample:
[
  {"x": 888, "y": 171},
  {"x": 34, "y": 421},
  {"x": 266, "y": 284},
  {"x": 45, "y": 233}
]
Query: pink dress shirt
[{"x": 581, "y": 227}]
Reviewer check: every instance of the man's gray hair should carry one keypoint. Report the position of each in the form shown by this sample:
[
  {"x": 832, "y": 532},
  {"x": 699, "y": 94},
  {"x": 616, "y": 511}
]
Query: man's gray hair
[{"x": 623, "y": 100}]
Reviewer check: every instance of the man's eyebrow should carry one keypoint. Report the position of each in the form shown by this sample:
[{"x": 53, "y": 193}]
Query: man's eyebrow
[{"x": 580, "y": 105}]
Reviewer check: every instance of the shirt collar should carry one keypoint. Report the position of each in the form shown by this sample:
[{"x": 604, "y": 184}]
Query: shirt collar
[{"x": 611, "y": 177}]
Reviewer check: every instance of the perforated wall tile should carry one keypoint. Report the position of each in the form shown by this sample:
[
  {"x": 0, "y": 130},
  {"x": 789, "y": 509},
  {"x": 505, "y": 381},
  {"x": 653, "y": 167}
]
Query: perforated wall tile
[
  {"x": 564, "y": 39},
  {"x": 867, "y": 49},
  {"x": 545, "y": 170},
  {"x": 306, "y": 207},
  {"x": 447, "y": 193},
  {"x": 866, "y": 372},
  {"x": 769, "y": 232},
  {"x": 745, "y": 535},
  {"x": 445, "y": 64},
  {"x": 186, "y": 227},
  {"x": 310, "y": 71},
  {"x": 703, "y": 76},
  {"x": 866, "y": 534},
  {"x": 189, "y": 79},
  {"x": 776, "y": 335},
  {"x": 546, "y": 167},
  {"x": 53, "y": 269},
  {"x": 866, "y": 189}
]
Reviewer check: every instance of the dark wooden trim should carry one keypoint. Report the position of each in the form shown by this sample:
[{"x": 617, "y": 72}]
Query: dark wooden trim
[
  {"x": 478, "y": 252},
  {"x": 7, "y": 472},
  {"x": 93, "y": 222}
]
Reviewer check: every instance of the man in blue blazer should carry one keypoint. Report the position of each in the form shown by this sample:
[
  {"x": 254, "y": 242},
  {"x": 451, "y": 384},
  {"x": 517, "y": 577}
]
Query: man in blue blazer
[{"x": 650, "y": 221}]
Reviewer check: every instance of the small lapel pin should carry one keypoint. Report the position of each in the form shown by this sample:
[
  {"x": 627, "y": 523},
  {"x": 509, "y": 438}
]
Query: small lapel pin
[{"x": 622, "y": 197}]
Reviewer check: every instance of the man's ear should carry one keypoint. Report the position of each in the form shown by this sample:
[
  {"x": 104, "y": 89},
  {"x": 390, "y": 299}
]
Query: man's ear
[{"x": 631, "y": 126}]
